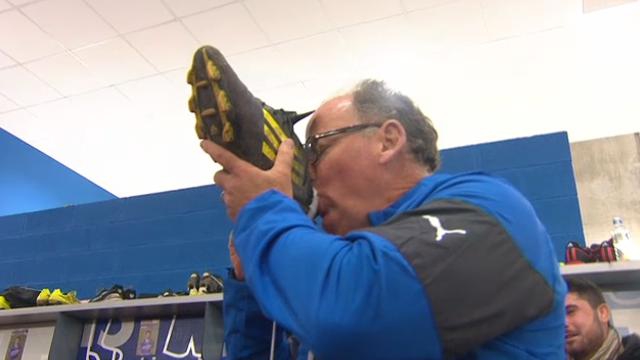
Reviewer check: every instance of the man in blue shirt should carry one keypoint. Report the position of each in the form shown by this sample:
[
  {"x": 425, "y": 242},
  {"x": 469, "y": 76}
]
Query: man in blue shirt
[{"x": 405, "y": 264}]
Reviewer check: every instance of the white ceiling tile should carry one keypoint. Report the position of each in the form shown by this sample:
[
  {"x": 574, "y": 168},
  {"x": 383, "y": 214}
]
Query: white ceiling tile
[
  {"x": 178, "y": 80},
  {"x": 183, "y": 8},
  {"x": 31, "y": 43},
  {"x": 71, "y": 22},
  {"x": 20, "y": 2},
  {"x": 155, "y": 95},
  {"x": 382, "y": 45},
  {"x": 315, "y": 56},
  {"x": 4, "y": 5},
  {"x": 344, "y": 13},
  {"x": 449, "y": 26},
  {"x": 230, "y": 29},
  {"x": 266, "y": 73},
  {"x": 24, "y": 88},
  {"x": 21, "y": 124},
  {"x": 114, "y": 61},
  {"x": 128, "y": 16},
  {"x": 66, "y": 74},
  {"x": 515, "y": 17},
  {"x": 6, "y": 104},
  {"x": 5, "y": 61},
  {"x": 411, "y": 5},
  {"x": 303, "y": 18},
  {"x": 166, "y": 46}
]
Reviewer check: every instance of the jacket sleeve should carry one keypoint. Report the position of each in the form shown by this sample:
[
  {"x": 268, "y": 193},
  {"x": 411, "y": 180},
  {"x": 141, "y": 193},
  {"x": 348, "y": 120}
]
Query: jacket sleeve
[
  {"x": 247, "y": 332},
  {"x": 345, "y": 297}
]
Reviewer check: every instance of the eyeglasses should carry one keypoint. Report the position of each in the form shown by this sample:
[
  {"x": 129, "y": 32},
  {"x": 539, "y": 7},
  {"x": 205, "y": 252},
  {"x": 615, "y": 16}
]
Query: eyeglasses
[{"x": 311, "y": 145}]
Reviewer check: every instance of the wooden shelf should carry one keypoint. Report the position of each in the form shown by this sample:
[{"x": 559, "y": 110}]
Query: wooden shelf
[{"x": 614, "y": 276}]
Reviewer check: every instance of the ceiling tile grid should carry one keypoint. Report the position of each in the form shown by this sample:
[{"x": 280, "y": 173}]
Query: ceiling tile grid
[
  {"x": 23, "y": 40},
  {"x": 111, "y": 73},
  {"x": 55, "y": 70},
  {"x": 284, "y": 20},
  {"x": 114, "y": 61},
  {"x": 173, "y": 51},
  {"x": 230, "y": 28},
  {"x": 53, "y": 17},
  {"x": 126, "y": 16},
  {"x": 21, "y": 86}
]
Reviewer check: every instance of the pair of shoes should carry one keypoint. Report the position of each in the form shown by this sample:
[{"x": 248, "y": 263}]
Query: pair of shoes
[
  {"x": 207, "y": 284},
  {"x": 603, "y": 252},
  {"x": 57, "y": 297},
  {"x": 116, "y": 292},
  {"x": 228, "y": 114},
  {"x": 4, "y": 304}
]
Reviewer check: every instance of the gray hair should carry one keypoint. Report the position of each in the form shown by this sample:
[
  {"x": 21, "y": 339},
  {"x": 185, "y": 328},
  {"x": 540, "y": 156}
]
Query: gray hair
[{"x": 375, "y": 103}]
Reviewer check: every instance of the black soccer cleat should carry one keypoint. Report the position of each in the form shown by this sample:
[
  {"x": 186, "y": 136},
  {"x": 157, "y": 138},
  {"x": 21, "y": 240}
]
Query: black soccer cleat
[{"x": 229, "y": 115}]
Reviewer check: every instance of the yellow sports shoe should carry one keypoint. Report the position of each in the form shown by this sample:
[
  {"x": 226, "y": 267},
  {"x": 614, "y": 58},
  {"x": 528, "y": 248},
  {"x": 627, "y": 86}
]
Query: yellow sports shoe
[
  {"x": 43, "y": 297},
  {"x": 57, "y": 297},
  {"x": 4, "y": 304}
]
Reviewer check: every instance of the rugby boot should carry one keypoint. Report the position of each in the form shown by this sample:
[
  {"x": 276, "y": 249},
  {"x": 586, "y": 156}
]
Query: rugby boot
[{"x": 228, "y": 114}]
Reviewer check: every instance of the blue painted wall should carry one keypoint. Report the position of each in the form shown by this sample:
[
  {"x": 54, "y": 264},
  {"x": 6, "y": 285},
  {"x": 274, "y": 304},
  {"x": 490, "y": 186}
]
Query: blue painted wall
[
  {"x": 541, "y": 168},
  {"x": 150, "y": 242},
  {"x": 31, "y": 181},
  {"x": 154, "y": 242}
]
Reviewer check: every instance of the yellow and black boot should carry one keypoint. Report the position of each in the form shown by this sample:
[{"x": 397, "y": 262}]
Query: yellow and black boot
[{"x": 229, "y": 115}]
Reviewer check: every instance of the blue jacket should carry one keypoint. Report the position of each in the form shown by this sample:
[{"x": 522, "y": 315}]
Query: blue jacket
[{"x": 459, "y": 267}]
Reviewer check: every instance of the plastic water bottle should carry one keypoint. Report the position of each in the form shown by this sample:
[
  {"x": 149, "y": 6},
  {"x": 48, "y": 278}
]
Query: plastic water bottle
[{"x": 625, "y": 248}]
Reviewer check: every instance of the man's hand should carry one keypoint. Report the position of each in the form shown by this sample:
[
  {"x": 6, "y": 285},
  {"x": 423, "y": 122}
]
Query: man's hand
[
  {"x": 241, "y": 181},
  {"x": 235, "y": 261}
]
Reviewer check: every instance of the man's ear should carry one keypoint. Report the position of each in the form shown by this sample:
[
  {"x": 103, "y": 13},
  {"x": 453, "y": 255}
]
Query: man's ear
[
  {"x": 604, "y": 313},
  {"x": 393, "y": 139}
]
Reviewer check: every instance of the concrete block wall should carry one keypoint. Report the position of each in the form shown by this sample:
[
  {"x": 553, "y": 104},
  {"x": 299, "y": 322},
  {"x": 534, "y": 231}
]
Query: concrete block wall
[
  {"x": 154, "y": 242},
  {"x": 541, "y": 168},
  {"x": 150, "y": 242}
]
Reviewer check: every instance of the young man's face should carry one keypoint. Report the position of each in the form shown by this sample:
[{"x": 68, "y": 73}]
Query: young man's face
[{"x": 586, "y": 328}]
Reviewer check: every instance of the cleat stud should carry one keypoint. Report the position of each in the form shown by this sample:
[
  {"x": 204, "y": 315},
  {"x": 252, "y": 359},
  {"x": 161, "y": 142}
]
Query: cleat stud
[
  {"x": 208, "y": 112},
  {"x": 190, "y": 76},
  {"x": 223, "y": 101},
  {"x": 212, "y": 71},
  {"x": 200, "y": 132},
  {"x": 227, "y": 132}
]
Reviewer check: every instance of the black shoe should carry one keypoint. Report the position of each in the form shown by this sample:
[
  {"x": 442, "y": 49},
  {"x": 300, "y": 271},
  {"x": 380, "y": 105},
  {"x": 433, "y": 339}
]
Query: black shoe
[
  {"x": 229, "y": 115},
  {"x": 210, "y": 284},
  {"x": 116, "y": 292},
  {"x": 20, "y": 296}
]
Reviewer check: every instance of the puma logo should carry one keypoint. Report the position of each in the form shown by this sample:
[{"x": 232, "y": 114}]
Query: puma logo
[{"x": 440, "y": 231}]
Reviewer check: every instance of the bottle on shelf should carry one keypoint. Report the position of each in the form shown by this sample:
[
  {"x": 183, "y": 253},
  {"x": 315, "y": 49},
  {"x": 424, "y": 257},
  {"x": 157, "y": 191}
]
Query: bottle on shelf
[{"x": 626, "y": 249}]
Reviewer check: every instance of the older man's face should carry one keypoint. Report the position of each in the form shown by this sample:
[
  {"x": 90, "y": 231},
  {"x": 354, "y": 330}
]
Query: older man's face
[
  {"x": 585, "y": 329},
  {"x": 342, "y": 173}
]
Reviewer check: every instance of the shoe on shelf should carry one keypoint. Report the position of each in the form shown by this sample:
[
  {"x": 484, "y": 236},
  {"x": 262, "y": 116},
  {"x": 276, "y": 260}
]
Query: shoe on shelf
[
  {"x": 228, "y": 114},
  {"x": 43, "y": 297},
  {"x": 210, "y": 284},
  {"x": 20, "y": 296},
  {"x": 57, "y": 297},
  {"x": 4, "y": 304},
  {"x": 171, "y": 293},
  {"x": 116, "y": 292},
  {"x": 193, "y": 284}
]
